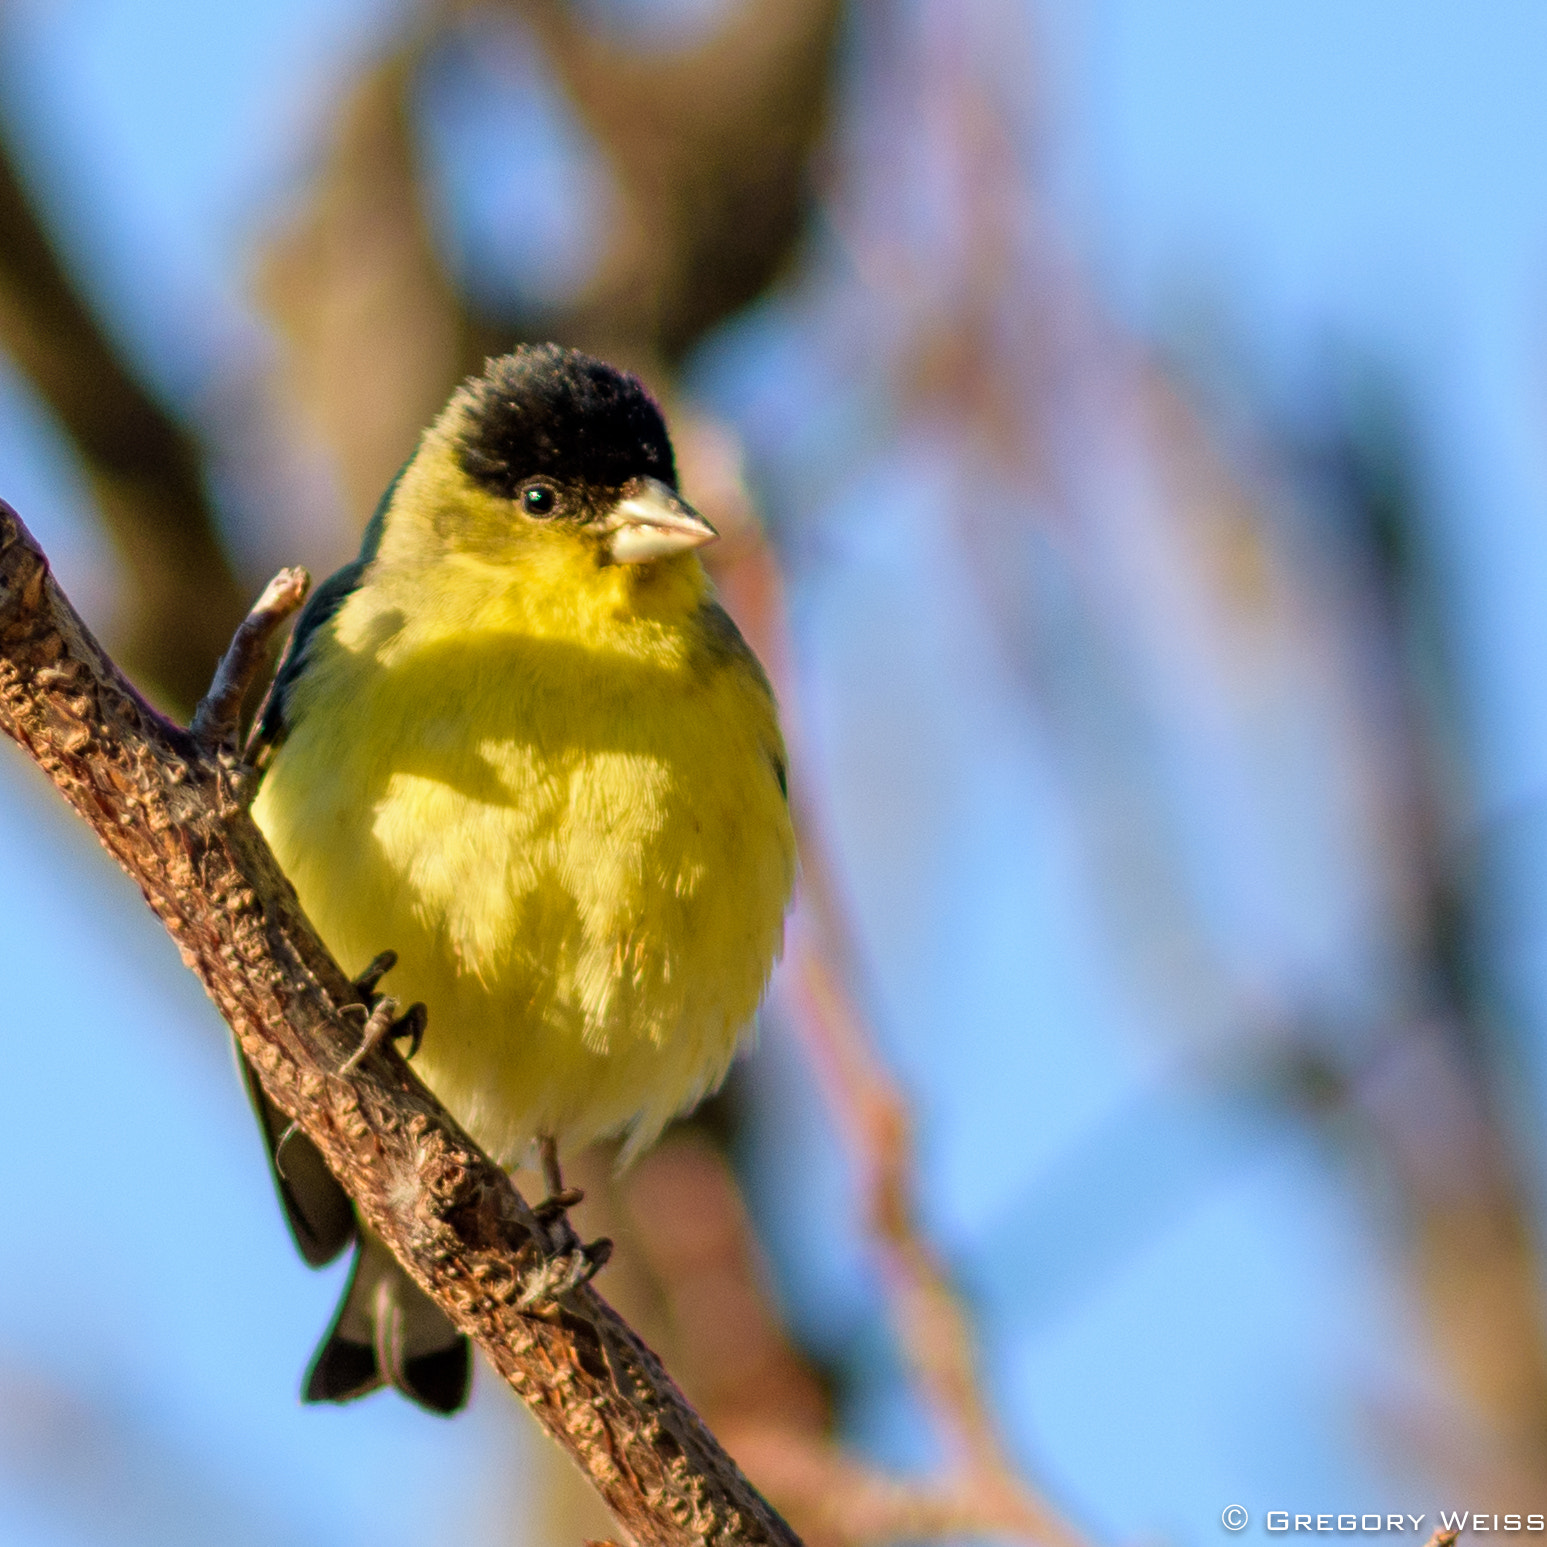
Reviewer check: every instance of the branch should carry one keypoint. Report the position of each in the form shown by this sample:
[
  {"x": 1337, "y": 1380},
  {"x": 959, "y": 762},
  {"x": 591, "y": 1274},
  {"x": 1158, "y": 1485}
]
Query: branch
[
  {"x": 978, "y": 1487},
  {"x": 978, "y": 1490},
  {"x": 691, "y": 1231},
  {"x": 374, "y": 335},
  {"x": 169, "y": 812},
  {"x": 711, "y": 148},
  {"x": 216, "y": 721}
]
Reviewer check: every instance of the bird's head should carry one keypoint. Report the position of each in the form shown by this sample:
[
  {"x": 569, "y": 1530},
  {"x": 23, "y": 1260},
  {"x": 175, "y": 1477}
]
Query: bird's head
[{"x": 552, "y": 461}]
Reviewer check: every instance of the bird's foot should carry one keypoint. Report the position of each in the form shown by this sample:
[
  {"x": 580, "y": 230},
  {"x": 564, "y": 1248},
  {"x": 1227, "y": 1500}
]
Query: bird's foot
[
  {"x": 566, "y": 1268},
  {"x": 384, "y": 1024},
  {"x": 365, "y": 985},
  {"x": 553, "y": 1209},
  {"x": 568, "y": 1264}
]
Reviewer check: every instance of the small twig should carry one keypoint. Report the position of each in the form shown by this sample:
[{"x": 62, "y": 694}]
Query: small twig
[
  {"x": 217, "y": 719},
  {"x": 979, "y": 1489},
  {"x": 932, "y": 1327}
]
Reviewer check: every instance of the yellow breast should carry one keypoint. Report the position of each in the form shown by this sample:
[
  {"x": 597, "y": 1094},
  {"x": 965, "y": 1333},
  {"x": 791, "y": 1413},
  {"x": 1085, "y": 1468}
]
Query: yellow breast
[{"x": 566, "y": 819}]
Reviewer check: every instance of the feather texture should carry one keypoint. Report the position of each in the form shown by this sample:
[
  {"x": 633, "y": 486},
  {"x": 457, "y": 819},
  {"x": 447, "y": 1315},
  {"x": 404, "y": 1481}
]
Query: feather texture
[{"x": 553, "y": 784}]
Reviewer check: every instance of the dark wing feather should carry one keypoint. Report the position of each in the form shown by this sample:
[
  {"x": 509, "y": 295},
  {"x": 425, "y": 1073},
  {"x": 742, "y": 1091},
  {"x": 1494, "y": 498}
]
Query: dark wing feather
[
  {"x": 321, "y": 606},
  {"x": 726, "y": 644}
]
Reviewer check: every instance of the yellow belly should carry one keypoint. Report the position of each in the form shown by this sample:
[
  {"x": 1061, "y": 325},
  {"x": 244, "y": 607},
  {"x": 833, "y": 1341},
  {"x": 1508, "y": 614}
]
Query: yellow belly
[{"x": 583, "y": 860}]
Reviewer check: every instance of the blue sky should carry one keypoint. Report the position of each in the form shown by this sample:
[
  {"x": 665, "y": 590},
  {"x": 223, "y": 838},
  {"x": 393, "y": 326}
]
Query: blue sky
[{"x": 1370, "y": 173}]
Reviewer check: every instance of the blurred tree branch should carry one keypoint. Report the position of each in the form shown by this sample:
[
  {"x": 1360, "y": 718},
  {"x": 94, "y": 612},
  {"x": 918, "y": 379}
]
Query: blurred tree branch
[
  {"x": 143, "y": 467},
  {"x": 711, "y": 149},
  {"x": 375, "y": 335},
  {"x": 831, "y": 1494},
  {"x": 1432, "y": 1084},
  {"x": 168, "y": 806}
]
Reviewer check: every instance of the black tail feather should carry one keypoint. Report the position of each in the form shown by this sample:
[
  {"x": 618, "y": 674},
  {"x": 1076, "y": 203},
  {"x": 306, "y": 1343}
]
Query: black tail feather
[
  {"x": 440, "y": 1381},
  {"x": 341, "y": 1371},
  {"x": 388, "y": 1331}
]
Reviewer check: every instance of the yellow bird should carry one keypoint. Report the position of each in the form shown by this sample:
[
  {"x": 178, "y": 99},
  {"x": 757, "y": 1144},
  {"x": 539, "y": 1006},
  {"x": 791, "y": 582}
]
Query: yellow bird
[{"x": 519, "y": 742}]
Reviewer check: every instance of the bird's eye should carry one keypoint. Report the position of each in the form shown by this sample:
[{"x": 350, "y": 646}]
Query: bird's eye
[{"x": 537, "y": 499}]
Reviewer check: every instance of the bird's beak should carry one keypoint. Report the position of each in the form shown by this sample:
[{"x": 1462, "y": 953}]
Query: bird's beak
[{"x": 651, "y": 521}]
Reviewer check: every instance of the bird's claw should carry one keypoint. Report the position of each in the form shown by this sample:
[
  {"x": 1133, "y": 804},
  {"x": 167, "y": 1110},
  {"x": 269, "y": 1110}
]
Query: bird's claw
[
  {"x": 567, "y": 1264},
  {"x": 384, "y": 1024},
  {"x": 379, "y": 1012},
  {"x": 365, "y": 985},
  {"x": 563, "y": 1271},
  {"x": 410, "y": 1024},
  {"x": 554, "y": 1207}
]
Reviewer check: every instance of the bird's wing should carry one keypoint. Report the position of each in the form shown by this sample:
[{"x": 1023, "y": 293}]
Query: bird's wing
[
  {"x": 319, "y": 1211},
  {"x": 725, "y": 641}
]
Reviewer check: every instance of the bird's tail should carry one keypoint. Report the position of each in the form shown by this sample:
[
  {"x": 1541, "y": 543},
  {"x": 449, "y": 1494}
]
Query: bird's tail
[{"x": 388, "y": 1331}]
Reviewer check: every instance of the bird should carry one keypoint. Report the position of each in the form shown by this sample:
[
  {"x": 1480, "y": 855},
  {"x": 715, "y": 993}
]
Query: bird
[{"x": 519, "y": 741}]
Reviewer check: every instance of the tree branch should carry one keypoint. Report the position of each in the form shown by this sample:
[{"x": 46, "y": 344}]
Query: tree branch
[
  {"x": 172, "y": 816},
  {"x": 217, "y": 720},
  {"x": 711, "y": 147},
  {"x": 142, "y": 465},
  {"x": 835, "y": 1498}
]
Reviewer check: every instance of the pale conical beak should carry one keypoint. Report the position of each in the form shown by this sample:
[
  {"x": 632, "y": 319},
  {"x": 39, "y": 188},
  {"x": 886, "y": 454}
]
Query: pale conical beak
[{"x": 651, "y": 521}]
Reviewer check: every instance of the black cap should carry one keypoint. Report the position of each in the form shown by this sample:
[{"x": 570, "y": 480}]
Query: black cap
[{"x": 554, "y": 412}]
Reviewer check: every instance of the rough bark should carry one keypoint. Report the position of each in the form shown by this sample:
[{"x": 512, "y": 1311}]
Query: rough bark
[{"x": 170, "y": 808}]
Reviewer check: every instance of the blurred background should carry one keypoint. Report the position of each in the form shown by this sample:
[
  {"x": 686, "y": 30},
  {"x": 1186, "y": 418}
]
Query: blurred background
[{"x": 1128, "y": 424}]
